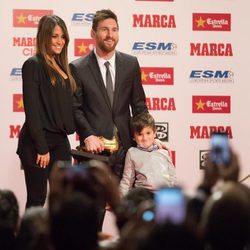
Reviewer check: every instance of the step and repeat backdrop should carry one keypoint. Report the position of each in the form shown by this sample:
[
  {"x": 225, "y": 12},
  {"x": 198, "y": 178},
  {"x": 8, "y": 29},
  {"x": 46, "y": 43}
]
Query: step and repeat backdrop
[{"x": 194, "y": 58}]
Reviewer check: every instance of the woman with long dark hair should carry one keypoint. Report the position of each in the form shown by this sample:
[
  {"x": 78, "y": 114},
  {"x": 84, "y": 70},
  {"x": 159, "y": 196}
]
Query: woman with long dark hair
[{"x": 48, "y": 88}]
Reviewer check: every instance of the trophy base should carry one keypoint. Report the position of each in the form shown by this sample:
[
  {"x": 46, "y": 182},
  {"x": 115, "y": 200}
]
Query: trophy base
[{"x": 80, "y": 156}]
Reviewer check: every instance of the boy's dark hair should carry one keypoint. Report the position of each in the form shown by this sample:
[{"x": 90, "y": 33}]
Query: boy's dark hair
[
  {"x": 101, "y": 15},
  {"x": 141, "y": 121}
]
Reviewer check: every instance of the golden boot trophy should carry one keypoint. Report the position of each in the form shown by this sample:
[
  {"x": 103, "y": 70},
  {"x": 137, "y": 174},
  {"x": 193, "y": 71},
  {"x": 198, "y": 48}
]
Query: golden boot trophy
[{"x": 110, "y": 146}]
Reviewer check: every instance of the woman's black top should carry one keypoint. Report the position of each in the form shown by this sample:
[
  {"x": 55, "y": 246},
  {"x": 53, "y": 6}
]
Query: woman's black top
[{"x": 48, "y": 108}]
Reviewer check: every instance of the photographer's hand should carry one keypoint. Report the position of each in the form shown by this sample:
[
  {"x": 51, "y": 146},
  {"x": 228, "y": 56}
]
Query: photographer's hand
[{"x": 231, "y": 171}]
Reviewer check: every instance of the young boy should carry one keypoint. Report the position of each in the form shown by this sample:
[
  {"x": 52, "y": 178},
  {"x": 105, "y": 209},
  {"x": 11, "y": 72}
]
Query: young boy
[{"x": 146, "y": 165}]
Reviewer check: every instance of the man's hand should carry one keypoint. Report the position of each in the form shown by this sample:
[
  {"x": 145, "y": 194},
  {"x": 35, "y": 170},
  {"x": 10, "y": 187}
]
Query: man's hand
[
  {"x": 214, "y": 172},
  {"x": 231, "y": 171},
  {"x": 93, "y": 144}
]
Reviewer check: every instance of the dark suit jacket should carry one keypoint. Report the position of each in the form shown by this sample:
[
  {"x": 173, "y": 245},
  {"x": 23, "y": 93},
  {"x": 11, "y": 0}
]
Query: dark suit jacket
[{"x": 92, "y": 110}]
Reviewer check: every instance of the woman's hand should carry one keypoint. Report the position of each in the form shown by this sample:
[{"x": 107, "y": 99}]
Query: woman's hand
[
  {"x": 43, "y": 160},
  {"x": 161, "y": 145}
]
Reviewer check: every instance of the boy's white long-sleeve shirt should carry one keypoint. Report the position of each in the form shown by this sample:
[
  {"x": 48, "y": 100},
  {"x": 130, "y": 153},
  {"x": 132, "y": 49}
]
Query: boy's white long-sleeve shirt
[{"x": 147, "y": 169}]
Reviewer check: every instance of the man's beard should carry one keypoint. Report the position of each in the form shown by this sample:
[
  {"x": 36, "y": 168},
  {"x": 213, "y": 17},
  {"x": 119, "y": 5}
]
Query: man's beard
[{"x": 106, "y": 48}]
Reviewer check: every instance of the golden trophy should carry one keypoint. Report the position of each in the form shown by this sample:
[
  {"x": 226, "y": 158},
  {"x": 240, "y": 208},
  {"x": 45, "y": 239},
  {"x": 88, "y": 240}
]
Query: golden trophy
[
  {"x": 80, "y": 154},
  {"x": 110, "y": 146}
]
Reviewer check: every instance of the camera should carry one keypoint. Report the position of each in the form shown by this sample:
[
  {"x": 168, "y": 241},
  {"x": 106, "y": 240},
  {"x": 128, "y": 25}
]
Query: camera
[
  {"x": 170, "y": 205},
  {"x": 220, "y": 149}
]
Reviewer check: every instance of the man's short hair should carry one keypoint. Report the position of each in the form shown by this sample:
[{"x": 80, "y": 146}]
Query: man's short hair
[{"x": 101, "y": 15}]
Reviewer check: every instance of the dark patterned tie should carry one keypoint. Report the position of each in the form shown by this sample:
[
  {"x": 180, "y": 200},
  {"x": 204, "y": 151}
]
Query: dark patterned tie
[{"x": 109, "y": 83}]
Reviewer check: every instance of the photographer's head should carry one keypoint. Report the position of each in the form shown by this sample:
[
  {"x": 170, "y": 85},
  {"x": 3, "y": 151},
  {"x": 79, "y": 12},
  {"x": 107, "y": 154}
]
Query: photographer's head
[
  {"x": 93, "y": 178},
  {"x": 226, "y": 218}
]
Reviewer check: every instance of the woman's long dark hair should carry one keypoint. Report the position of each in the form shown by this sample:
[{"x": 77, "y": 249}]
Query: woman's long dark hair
[{"x": 46, "y": 27}]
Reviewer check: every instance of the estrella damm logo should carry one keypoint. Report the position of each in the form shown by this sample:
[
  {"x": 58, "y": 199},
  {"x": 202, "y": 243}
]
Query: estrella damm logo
[
  {"x": 28, "y": 18},
  {"x": 18, "y": 103},
  {"x": 211, "y": 104},
  {"x": 211, "y": 22},
  {"x": 83, "y": 46},
  {"x": 157, "y": 76}
]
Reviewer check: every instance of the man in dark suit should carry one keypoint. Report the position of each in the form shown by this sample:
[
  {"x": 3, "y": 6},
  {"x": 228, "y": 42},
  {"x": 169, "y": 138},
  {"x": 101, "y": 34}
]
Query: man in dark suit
[{"x": 96, "y": 111}]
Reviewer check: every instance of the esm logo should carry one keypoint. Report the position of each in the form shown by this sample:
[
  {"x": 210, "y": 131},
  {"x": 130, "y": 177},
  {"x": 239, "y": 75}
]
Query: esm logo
[
  {"x": 211, "y": 76},
  {"x": 15, "y": 74},
  {"x": 84, "y": 19},
  {"x": 152, "y": 48}
]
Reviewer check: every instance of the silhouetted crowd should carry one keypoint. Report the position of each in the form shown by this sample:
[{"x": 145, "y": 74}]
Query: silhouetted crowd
[{"x": 215, "y": 217}]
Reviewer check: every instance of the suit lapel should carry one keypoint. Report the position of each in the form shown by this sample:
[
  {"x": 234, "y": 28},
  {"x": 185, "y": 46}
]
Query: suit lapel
[
  {"x": 95, "y": 70},
  {"x": 118, "y": 77}
]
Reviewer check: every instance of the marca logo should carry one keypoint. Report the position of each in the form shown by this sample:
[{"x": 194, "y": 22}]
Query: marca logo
[
  {"x": 211, "y": 104},
  {"x": 205, "y": 132},
  {"x": 204, "y": 154},
  {"x": 28, "y": 43},
  {"x": 162, "y": 130},
  {"x": 211, "y": 21},
  {"x": 15, "y": 74},
  {"x": 157, "y": 76},
  {"x": 155, "y": 103},
  {"x": 82, "y": 19},
  {"x": 83, "y": 46},
  {"x": 14, "y": 131},
  {"x": 211, "y": 76},
  {"x": 154, "y": 48},
  {"x": 24, "y": 41},
  {"x": 211, "y": 49},
  {"x": 18, "y": 103},
  {"x": 154, "y": 21},
  {"x": 28, "y": 18},
  {"x": 77, "y": 137},
  {"x": 173, "y": 155}
]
